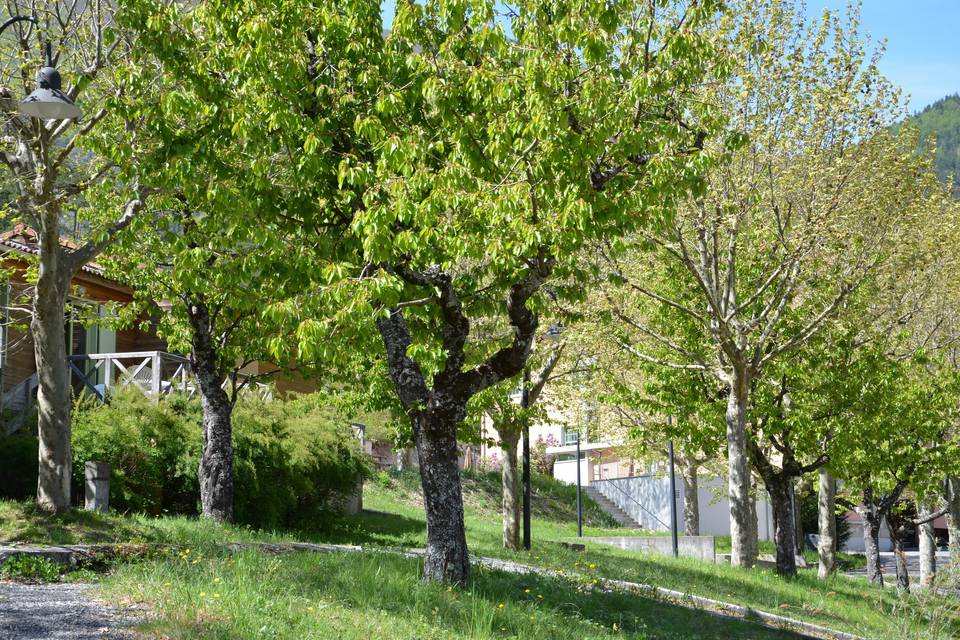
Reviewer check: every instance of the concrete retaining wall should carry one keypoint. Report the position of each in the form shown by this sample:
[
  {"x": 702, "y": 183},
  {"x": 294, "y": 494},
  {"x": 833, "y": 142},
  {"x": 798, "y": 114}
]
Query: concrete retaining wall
[{"x": 700, "y": 547}]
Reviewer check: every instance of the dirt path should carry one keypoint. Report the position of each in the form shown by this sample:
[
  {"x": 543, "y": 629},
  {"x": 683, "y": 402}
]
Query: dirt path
[{"x": 56, "y": 611}]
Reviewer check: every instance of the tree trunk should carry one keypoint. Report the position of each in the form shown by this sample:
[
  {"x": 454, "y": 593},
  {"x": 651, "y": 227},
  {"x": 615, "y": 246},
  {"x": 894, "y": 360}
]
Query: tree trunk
[
  {"x": 797, "y": 522},
  {"x": 741, "y": 553},
  {"x": 928, "y": 546},
  {"x": 511, "y": 496},
  {"x": 827, "y": 521},
  {"x": 778, "y": 487},
  {"x": 691, "y": 505},
  {"x": 952, "y": 495},
  {"x": 54, "y": 397},
  {"x": 216, "y": 459},
  {"x": 896, "y": 533},
  {"x": 446, "y": 556},
  {"x": 871, "y": 544}
]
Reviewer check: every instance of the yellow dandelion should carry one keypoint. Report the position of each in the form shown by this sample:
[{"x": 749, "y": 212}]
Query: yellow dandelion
[
  {"x": 593, "y": 566},
  {"x": 216, "y": 595},
  {"x": 203, "y": 593},
  {"x": 500, "y": 606},
  {"x": 540, "y": 596},
  {"x": 526, "y": 590}
]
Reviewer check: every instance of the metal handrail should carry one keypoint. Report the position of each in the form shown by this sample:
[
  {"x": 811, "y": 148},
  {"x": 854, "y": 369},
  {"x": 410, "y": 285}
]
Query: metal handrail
[{"x": 637, "y": 502}]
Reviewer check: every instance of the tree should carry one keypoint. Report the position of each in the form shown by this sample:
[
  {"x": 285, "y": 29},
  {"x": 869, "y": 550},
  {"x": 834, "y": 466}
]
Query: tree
[
  {"x": 894, "y": 441},
  {"x": 194, "y": 271},
  {"x": 56, "y": 169},
  {"x": 509, "y": 419},
  {"x": 786, "y": 230},
  {"x": 467, "y": 169}
]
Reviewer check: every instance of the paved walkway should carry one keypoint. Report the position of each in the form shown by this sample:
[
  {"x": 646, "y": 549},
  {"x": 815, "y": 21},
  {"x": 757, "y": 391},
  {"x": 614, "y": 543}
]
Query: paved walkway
[
  {"x": 889, "y": 565},
  {"x": 57, "y": 611}
]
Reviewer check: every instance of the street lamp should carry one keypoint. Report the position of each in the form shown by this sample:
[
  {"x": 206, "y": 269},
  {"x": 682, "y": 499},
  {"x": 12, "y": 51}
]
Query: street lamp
[
  {"x": 673, "y": 495},
  {"x": 48, "y": 101}
]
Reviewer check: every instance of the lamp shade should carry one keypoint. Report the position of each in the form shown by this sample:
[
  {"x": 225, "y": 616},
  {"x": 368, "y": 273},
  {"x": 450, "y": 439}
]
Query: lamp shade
[{"x": 48, "y": 102}]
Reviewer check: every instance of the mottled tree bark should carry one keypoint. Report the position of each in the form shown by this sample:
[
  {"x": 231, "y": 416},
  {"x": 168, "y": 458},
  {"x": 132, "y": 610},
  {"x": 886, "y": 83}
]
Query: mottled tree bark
[
  {"x": 54, "y": 397},
  {"x": 436, "y": 410},
  {"x": 827, "y": 521},
  {"x": 216, "y": 459},
  {"x": 797, "y": 522},
  {"x": 742, "y": 552},
  {"x": 511, "y": 495},
  {"x": 952, "y": 496},
  {"x": 928, "y": 545},
  {"x": 446, "y": 556},
  {"x": 691, "y": 491},
  {"x": 778, "y": 487},
  {"x": 897, "y": 526},
  {"x": 871, "y": 545}
]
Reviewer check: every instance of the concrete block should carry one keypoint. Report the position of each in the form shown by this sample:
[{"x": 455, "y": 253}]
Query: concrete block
[
  {"x": 97, "y": 496},
  {"x": 700, "y": 547}
]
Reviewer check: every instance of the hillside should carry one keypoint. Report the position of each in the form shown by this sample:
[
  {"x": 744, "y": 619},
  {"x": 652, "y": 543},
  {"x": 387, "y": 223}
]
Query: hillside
[{"x": 942, "y": 120}]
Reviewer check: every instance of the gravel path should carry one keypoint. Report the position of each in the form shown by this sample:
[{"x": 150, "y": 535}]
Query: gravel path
[{"x": 58, "y": 611}]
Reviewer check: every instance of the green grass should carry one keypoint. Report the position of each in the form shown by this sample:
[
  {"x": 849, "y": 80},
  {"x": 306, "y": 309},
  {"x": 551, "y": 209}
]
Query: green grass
[
  {"x": 20, "y": 521},
  {"x": 345, "y": 591},
  {"x": 364, "y": 596}
]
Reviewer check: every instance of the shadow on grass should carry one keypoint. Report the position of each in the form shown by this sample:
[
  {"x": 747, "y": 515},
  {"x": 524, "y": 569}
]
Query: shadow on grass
[{"x": 23, "y": 522}]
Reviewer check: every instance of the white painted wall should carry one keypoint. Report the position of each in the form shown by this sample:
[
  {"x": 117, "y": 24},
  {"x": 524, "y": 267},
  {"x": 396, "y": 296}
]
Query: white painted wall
[
  {"x": 855, "y": 541},
  {"x": 566, "y": 471},
  {"x": 647, "y": 500}
]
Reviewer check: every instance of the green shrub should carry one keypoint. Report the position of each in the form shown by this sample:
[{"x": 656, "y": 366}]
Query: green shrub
[
  {"x": 294, "y": 461},
  {"x": 30, "y": 568}
]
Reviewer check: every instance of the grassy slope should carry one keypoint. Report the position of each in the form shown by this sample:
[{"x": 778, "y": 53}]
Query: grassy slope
[{"x": 279, "y": 591}]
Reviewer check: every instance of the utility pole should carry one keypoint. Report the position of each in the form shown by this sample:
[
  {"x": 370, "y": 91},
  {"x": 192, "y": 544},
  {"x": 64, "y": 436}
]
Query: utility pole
[
  {"x": 579, "y": 501},
  {"x": 673, "y": 496},
  {"x": 525, "y": 404}
]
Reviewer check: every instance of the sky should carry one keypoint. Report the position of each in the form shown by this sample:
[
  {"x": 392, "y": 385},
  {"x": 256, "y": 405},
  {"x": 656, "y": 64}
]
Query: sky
[
  {"x": 923, "y": 50},
  {"x": 923, "y": 47}
]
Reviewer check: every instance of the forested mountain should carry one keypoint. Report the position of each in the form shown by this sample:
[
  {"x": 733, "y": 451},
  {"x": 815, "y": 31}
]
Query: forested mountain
[{"x": 942, "y": 119}]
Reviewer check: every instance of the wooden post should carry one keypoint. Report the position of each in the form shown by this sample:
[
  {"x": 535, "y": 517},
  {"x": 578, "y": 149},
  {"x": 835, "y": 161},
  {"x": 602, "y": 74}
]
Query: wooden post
[{"x": 155, "y": 376}]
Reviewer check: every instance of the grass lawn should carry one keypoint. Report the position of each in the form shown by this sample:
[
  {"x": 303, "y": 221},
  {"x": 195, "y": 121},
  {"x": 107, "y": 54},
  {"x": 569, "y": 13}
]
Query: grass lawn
[{"x": 209, "y": 594}]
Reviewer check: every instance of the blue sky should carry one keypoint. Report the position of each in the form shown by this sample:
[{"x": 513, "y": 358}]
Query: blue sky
[
  {"x": 923, "y": 47},
  {"x": 923, "y": 50}
]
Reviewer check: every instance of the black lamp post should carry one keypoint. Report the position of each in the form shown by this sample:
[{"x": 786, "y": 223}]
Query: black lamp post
[
  {"x": 48, "y": 101},
  {"x": 579, "y": 500},
  {"x": 525, "y": 404},
  {"x": 673, "y": 495}
]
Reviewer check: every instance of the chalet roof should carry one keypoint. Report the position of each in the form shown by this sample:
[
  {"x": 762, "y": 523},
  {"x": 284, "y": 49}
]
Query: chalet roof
[{"x": 23, "y": 239}]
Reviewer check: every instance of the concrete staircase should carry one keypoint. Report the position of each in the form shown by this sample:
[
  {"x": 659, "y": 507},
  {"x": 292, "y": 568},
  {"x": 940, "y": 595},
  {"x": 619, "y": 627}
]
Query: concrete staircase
[{"x": 610, "y": 508}]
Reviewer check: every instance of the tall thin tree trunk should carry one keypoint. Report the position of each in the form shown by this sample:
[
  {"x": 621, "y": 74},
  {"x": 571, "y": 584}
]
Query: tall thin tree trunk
[
  {"x": 216, "y": 459},
  {"x": 798, "y": 522},
  {"x": 54, "y": 393},
  {"x": 738, "y": 491},
  {"x": 511, "y": 497},
  {"x": 446, "y": 556},
  {"x": 928, "y": 545},
  {"x": 896, "y": 534},
  {"x": 691, "y": 492},
  {"x": 871, "y": 544},
  {"x": 827, "y": 521},
  {"x": 952, "y": 495}
]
